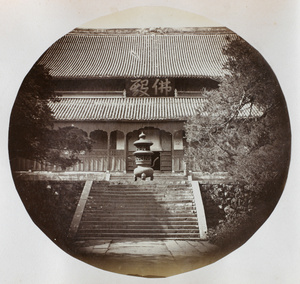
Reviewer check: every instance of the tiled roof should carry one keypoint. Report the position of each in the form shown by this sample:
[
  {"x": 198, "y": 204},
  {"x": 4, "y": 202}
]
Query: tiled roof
[
  {"x": 161, "y": 108},
  {"x": 131, "y": 109},
  {"x": 128, "y": 55}
]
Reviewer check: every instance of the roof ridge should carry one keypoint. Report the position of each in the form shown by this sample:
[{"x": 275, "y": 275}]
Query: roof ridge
[{"x": 152, "y": 31}]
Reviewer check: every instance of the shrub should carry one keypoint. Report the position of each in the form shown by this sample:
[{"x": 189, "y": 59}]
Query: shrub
[
  {"x": 241, "y": 211},
  {"x": 51, "y": 205}
]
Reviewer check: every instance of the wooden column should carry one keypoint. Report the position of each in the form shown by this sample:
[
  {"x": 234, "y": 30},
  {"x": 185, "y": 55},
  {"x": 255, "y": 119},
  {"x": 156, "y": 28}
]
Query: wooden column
[
  {"x": 172, "y": 151},
  {"x": 108, "y": 151},
  {"x": 125, "y": 153}
]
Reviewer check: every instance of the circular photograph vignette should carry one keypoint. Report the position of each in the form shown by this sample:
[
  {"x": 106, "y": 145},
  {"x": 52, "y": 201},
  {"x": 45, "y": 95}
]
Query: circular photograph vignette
[{"x": 150, "y": 151}]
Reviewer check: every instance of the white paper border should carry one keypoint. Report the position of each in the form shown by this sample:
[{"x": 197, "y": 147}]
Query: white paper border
[{"x": 27, "y": 28}]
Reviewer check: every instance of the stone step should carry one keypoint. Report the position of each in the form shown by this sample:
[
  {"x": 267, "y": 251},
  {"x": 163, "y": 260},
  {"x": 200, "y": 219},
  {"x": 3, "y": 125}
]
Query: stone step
[
  {"x": 129, "y": 186},
  {"x": 135, "y": 199},
  {"x": 159, "y": 175},
  {"x": 126, "y": 209},
  {"x": 142, "y": 225},
  {"x": 140, "y": 182},
  {"x": 142, "y": 185},
  {"x": 113, "y": 204},
  {"x": 146, "y": 232},
  {"x": 131, "y": 201},
  {"x": 155, "y": 188},
  {"x": 139, "y": 195},
  {"x": 140, "y": 202},
  {"x": 137, "y": 187},
  {"x": 137, "y": 210},
  {"x": 134, "y": 238},
  {"x": 150, "y": 198},
  {"x": 128, "y": 238},
  {"x": 134, "y": 231},
  {"x": 142, "y": 193},
  {"x": 134, "y": 216},
  {"x": 142, "y": 188},
  {"x": 138, "y": 217},
  {"x": 133, "y": 213},
  {"x": 115, "y": 235},
  {"x": 119, "y": 232},
  {"x": 157, "y": 180},
  {"x": 176, "y": 221},
  {"x": 139, "y": 205}
]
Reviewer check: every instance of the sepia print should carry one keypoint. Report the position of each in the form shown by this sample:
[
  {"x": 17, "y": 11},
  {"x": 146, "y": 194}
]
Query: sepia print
[{"x": 150, "y": 152}]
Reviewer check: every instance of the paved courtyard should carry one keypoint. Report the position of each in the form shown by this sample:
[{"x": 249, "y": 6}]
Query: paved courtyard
[{"x": 159, "y": 258}]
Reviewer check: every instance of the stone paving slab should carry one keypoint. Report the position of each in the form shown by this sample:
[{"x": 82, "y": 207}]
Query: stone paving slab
[
  {"x": 175, "y": 249},
  {"x": 158, "y": 250},
  {"x": 204, "y": 247},
  {"x": 151, "y": 258},
  {"x": 101, "y": 251},
  {"x": 139, "y": 243},
  {"x": 103, "y": 246},
  {"x": 170, "y": 248}
]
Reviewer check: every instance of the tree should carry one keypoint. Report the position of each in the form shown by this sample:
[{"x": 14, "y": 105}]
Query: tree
[
  {"x": 245, "y": 131},
  {"x": 31, "y": 133},
  {"x": 31, "y": 117},
  {"x": 65, "y": 144}
]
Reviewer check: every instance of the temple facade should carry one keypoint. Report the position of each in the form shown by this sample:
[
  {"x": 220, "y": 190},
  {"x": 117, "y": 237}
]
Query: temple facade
[{"x": 116, "y": 83}]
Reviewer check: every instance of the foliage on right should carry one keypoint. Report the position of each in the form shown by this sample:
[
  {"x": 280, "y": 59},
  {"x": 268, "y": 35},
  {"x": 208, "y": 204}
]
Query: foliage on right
[{"x": 243, "y": 129}]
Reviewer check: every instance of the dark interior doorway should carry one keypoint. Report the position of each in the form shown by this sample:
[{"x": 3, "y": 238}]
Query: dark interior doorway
[{"x": 156, "y": 161}]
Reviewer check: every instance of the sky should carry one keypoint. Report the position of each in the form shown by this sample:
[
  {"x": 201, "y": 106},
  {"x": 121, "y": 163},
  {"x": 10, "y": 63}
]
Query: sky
[{"x": 143, "y": 17}]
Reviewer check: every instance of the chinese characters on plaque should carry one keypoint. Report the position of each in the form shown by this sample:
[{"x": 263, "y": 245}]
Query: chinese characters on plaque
[{"x": 151, "y": 87}]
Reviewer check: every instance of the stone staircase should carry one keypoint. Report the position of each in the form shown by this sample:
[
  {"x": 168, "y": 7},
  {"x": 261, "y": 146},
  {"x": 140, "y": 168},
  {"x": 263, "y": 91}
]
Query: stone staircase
[{"x": 124, "y": 209}]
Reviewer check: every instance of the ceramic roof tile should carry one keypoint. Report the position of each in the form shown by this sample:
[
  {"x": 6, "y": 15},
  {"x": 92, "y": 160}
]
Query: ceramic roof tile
[
  {"x": 98, "y": 55},
  {"x": 132, "y": 109}
]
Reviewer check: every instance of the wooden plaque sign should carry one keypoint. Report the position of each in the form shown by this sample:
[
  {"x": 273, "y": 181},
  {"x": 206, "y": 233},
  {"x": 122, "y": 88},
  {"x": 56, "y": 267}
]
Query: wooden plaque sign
[{"x": 150, "y": 87}]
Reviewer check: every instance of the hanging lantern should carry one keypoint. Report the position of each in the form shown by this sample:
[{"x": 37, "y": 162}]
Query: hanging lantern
[{"x": 143, "y": 158}]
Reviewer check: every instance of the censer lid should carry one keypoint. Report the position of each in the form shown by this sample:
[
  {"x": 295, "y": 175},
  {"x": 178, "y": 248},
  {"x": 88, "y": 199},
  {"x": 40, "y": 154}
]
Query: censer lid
[{"x": 142, "y": 140}]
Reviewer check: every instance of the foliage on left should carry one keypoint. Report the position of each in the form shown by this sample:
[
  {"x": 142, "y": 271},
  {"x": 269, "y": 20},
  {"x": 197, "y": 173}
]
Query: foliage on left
[
  {"x": 31, "y": 133},
  {"x": 51, "y": 205}
]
